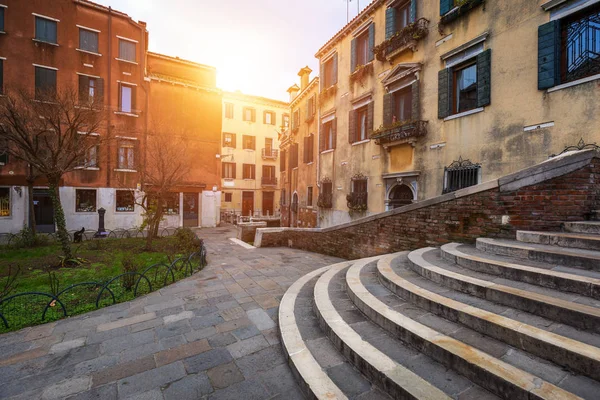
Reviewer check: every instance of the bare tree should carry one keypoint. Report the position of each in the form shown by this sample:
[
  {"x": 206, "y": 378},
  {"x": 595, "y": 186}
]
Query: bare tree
[
  {"x": 167, "y": 164},
  {"x": 53, "y": 132}
]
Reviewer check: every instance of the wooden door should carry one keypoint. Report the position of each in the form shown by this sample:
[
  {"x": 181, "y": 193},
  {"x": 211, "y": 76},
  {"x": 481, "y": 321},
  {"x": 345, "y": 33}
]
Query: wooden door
[
  {"x": 190, "y": 210},
  {"x": 268, "y": 203},
  {"x": 44, "y": 211},
  {"x": 247, "y": 203}
]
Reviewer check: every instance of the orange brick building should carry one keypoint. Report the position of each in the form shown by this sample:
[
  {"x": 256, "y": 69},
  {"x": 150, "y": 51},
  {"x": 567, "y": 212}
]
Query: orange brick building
[{"x": 82, "y": 45}]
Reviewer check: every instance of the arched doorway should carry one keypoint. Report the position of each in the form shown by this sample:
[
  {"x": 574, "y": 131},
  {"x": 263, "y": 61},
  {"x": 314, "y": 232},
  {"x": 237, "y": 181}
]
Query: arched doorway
[{"x": 401, "y": 195}]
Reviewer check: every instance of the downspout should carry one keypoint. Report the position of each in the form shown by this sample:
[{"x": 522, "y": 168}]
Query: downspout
[
  {"x": 147, "y": 98},
  {"x": 319, "y": 160},
  {"x": 109, "y": 95}
]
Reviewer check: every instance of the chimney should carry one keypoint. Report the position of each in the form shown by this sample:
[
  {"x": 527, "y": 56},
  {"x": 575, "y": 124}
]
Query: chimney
[
  {"x": 293, "y": 91},
  {"x": 304, "y": 75}
]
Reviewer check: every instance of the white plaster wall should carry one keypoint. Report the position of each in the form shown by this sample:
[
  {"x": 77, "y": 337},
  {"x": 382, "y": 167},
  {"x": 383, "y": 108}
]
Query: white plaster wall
[
  {"x": 211, "y": 208},
  {"x": 329, "y": 218},
  {"x": 18, "y": 212}
]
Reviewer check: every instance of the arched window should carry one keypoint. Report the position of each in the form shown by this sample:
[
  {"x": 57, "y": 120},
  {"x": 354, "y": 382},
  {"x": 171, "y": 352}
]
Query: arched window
[{"x": 401, "y": 195}]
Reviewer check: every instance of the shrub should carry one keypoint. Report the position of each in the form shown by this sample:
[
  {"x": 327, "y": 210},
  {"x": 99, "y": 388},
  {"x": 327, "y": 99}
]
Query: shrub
[
  {"x": 27, "y": 239},
  {"x": 186, "y": 240},
  {"x": 129, "y": 265}
]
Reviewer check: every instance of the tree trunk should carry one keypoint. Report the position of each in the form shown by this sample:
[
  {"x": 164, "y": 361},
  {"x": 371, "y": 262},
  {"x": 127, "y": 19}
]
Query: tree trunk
[
  {"x": 153, "y": 225},
  {"x": 61, "y": 225},
  {"x": 32, "y": 225}
]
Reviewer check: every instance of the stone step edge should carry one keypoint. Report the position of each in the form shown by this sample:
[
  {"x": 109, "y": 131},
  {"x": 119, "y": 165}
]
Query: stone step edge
[
  {"x": 573, "y": 354},
  {"x": 561, "y": 239},
  {"x": 481, "y": 368},
  {"x": 576, "y": 226},
  {"x": 585, "y": 261},
  {"x": 582, "y": 285},
  {"x": 312, "y": 379},
  {"x": 381, "y": 370},
  {"x": 574, "y": 314}
]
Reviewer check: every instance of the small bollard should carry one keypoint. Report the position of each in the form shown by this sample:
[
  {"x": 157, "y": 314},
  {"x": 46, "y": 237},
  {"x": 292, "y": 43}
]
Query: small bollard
[{"x": 101, "y": 231}]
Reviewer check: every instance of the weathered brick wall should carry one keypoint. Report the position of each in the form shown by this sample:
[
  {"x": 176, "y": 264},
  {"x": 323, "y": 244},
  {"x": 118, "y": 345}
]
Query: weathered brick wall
[
  {"x": 462, "y": 218},
  {"x": 247, "y": 230},
  {"x": 285, "y": 215},
  {"x": 307, "y": 217}
]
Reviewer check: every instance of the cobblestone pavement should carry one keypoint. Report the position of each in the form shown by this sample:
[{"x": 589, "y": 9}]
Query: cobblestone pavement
[{"x": 211, "y": 336}]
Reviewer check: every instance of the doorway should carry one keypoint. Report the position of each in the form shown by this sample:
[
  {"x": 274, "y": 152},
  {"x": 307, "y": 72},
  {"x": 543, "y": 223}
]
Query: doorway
[
  {"x": 268, "y": 203},
  {"x": 247, "y": 203},
  {"x": 43, "y": 211},
  {"x": 190, "y": 210},
  {"x": 401, "y": 195}
]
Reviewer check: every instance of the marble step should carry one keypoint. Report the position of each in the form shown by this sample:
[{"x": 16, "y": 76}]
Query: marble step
[
  {"x": 569, "y": 282},
  {"x": 561, "y": 350},
  {"x": 575, "y": 258},
  {"x": 592, "y": 227},
  {"x": 561, "y": 239}
]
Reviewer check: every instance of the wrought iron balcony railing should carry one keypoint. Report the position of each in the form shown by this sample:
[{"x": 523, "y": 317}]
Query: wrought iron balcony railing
[
  {"x": 325, "y": 200},
  {"x": 270, "y": 154},
  {"x": 357, "y": 201},
  {"x": 269, "y": 181},
  {"x": 399, "y": 131},
  {"x": 405, "y": 38}
]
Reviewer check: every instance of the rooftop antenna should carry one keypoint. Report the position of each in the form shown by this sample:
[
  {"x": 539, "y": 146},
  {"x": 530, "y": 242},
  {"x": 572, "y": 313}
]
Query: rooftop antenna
[{"x": 348, "y": 9}]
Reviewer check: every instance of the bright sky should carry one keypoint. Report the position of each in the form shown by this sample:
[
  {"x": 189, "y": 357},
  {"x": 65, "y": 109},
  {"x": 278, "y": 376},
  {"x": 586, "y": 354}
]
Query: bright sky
[{"x": 257, "y": 46}]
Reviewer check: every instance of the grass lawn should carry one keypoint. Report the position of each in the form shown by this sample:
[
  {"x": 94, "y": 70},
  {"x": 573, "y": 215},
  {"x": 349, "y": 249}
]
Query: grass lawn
[{"x": 101, "y": 260}]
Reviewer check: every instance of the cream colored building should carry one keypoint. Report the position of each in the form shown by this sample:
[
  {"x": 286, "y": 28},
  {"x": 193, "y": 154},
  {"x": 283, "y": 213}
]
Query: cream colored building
[
  {"x": 250, "y": 154},
  {"x": 424, "y": 97}
]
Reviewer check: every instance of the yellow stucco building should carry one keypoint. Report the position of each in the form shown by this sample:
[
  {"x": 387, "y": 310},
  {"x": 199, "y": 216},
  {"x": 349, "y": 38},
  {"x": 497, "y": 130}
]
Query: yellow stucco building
[
  {"x": 250, "y": 154},
  {"x": 423, "y": 97}
]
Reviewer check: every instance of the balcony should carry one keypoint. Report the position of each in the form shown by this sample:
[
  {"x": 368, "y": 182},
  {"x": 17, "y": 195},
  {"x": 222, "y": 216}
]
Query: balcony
[
  {"x": 401, "y": 132},
  {"x": 269, "y": 154},
  {"x": 462, "y": 8},
  {"x": 268, "y": 181},
  {"x": 325, "y": 200},
  {"x": 402, "y": 40},
  {"x": 357, "y": 201}
]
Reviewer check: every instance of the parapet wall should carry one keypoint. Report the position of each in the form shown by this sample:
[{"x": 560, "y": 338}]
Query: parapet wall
[{"x": 564, "y": 188}]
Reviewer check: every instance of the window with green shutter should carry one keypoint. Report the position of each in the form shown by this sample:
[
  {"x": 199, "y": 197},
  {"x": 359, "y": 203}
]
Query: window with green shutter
[
  {"x": 45, "y": 83},
  {"x": 362, "y": 48},
  {"x": 45, "y": 30},
  {"x": 329, "y": 72},
  {"x": 88, "y": 40}
]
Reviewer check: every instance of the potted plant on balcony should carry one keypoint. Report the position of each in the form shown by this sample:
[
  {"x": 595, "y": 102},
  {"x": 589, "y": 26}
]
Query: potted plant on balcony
[{"x": 361, "y": 72}]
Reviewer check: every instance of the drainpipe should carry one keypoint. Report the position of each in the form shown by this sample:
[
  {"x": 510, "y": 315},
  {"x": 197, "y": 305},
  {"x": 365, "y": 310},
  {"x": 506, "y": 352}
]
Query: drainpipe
[
  {"x": 319, "y": 159},
  {"x": 147, "y": 98},
  {"x": 109, "y": 96}
]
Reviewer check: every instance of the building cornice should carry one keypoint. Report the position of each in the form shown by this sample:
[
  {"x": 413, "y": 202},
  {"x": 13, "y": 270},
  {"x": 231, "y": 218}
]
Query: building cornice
[
  {"x": 180, "y": 61},
  {"x": 254, "y": 99},
  {"x": 189, "y": 84},
  {"x": 305, "y": 92}
]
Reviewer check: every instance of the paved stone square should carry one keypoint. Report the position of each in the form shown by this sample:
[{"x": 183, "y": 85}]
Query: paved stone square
[{"x": 210, "y": 336}]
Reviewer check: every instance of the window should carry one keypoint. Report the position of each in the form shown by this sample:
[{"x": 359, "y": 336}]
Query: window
[
  {"x": 361, "y": 50},
  {"x": 1, "y": 72},
  {"x": 326, "y": 195},
  {"x": 294, "y": 156},
  {"x": 309, "y": 143},
  {"x": 125, "y": 201},
  {"x": 311, "y": 108},
  {"x": 268, "y": 175},
  {"x": 361, "y": 124},
  {"x": 581, "y": 45},
  {"x": 127, "y": 98},
  {"x": 90, "y": 158},
  {"x": 4, "y": 202},
  {"x": 461, "y": 174},
  {"x": 283, "y": 197},
  {"x": 88, "y": 40},
  {"x": 91, "y": 90},
  {"x": 228, "y": 197},
  {"x": 328, "y": 135},
  {"x": 296, "y": 119},
  {"x": 329, "y": 72},
  {"x": 228, "y": 170},
  {"x": 309, "y": 196},
  {"x": 249, "y": 142},
  {"x": 286, "y": 121},
  {"x": 45, "y": 83},
  {"x": 402, "y": 16},
  {"x": 228, "y": 110},
  {"x": 357, "y": 199},
  {"x": 465, "y": 88},
  {"x": 269, "y": 118},
  {"x": 249, "y": 114},
  {"x": 402, "y": 105},
  {"x": 171, "y": 205},
  {"x": 45, "y": 30},
  {"x": 126, "y": 156},
  {"x": 127, "y": 50},
  {"x": 466, "y": 84},
  {"x": 1, "y": 19},
  {"x": 282, "y": 161},
  {"x": 85, "y": 200},
  {"x": 229, "y": 140},
  {"x": 249, "y": 171},
  {"x": 3, "y": 152}
]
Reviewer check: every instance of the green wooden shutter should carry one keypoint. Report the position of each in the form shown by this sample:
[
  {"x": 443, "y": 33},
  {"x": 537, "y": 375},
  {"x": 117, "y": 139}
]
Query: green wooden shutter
[
  {"x": 322, "y": 77},
  {"x": 413, "y": 11},
  {"x": 390, "y": 22},
  {"x": 370, "y": 115},
  {"x": 335, "y": 69},
  {"x": 322, "y": 138},
  {"x": 445, "y": 6},
  {"x": 415, "y": 111},
  {"x": 334, "y": 129},
  {"x": 549, "y": 55},
  {"x": 371, "y": 41},
  {"x": 444, "y": 93},
  {"x": 484, "y": 78},
  {"x": 353, "y": 56},
  {"x": 352, "y": 126},
  {"x": 388, "y": 109}
]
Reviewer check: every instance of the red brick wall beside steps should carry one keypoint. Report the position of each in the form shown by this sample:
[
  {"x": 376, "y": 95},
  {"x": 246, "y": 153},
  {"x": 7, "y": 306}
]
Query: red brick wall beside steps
[{"x": 542, "y": 206}]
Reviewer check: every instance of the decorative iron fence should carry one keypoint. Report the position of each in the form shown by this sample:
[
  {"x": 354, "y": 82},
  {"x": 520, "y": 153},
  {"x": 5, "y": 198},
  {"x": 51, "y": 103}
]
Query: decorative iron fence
[
  {"x": 17, "y": 311},
  {"x": 460, "y": 174}
]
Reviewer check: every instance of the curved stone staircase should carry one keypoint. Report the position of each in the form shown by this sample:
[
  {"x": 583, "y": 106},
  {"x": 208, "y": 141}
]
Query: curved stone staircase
[{"x": 509, "y": 319}]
